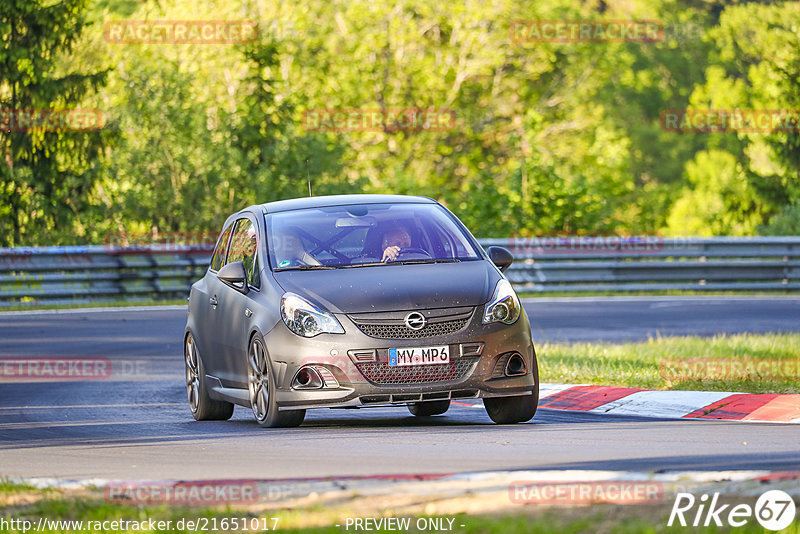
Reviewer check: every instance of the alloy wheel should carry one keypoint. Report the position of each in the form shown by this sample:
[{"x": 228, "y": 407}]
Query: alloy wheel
[
  {"x": 192, "y": 374},
  {"x": 258, "y": 380}
]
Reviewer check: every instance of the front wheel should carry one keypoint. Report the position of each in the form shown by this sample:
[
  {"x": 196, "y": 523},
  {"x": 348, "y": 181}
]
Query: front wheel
[
  {"x": 261, "y": 386},
  {"x": 203, "y": 407},
  {"x": 510, "y": 410}
]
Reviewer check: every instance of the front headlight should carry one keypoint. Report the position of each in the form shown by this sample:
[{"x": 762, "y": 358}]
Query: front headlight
[
  {"x": 504, "y": 306},
  {"x": 305, "y": 319}
]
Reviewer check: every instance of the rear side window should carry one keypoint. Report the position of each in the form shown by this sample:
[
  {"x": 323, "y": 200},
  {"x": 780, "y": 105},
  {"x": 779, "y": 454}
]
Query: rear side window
[
  {"x": 218, "y": 259},
  {"x": 244, "y": 247}
]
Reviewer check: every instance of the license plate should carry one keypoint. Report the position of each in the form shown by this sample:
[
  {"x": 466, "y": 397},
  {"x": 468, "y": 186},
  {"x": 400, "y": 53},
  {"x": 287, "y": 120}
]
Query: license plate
[{"x": 419, "y": 356}]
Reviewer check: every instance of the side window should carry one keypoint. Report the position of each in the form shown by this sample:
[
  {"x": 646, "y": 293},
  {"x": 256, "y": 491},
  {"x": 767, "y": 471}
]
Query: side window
[
  {"x": 244, "y": 248},
  {"x": 252, "y": 277},
  {"x": 218, "y": 259}
]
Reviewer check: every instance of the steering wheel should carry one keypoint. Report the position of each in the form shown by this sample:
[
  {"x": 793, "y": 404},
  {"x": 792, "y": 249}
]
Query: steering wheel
[{"x": 413, "y": 250}]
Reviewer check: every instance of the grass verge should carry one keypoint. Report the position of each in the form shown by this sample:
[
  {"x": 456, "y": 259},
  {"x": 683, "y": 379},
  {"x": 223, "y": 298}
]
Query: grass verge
[
  {"x": 22, "y": 503},
  {"x": 655, "y": 293},
  {"x": 122, "y": 303},
  {"x": 745, "y": 363}
]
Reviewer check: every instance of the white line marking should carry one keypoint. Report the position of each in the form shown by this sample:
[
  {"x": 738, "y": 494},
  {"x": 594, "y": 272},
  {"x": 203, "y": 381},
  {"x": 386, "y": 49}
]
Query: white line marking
[
  {"x": 659, "y": 298},
  {"x": 545, "y": 390},
  {"x": 668, "y": 404},
  {"x": 70, "y": 406},
  {"x": 170, "y": 307}
]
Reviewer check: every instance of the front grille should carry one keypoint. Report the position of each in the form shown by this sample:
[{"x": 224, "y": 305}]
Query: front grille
[
  {"x": 401, "y": 331},
  {"x": 391, "y": 325},
  {"x": 382, "y": 373}
]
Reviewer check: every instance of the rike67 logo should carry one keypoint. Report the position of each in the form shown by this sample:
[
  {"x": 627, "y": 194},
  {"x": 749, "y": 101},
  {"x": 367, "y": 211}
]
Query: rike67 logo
[{"x": 774, "y": 510}]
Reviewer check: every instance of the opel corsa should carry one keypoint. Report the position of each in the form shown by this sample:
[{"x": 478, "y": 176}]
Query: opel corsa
[{"x": 351, "y": 302}]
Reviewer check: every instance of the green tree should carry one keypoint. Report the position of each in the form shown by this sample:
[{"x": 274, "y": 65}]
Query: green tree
[
  {"x": 719, "y": 200},
  {"x": 755, "y": 65},
  {"x": 47, "y": 173},
  {"x": 205, "y": 130},
  {"x": 548, "y": 137},
  {"x": 528, "y": 132},
  {"x": 275, "y": 155}
]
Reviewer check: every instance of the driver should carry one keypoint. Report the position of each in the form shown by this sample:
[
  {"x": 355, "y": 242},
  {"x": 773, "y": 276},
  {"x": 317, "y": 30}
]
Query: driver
[{"x": 395, "y": 240}]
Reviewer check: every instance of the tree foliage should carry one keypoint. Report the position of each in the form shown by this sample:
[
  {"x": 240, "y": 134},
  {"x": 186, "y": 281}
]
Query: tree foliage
[
  {"x": 46, "y": 172},
  {"x": 547, "y": 137}
]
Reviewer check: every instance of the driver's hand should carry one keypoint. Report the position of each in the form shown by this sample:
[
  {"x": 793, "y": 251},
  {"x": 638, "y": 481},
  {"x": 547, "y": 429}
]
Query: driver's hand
[{"x": 390, "y": 253}]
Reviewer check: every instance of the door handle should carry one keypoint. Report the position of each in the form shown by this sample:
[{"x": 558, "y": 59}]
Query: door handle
[{"x": 213, "y": 300}]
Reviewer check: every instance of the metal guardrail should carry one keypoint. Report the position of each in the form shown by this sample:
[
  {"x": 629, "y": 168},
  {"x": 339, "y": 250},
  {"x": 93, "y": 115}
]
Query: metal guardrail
[
  {"x": 547, "y": 264},
  {"x": 99, "y": 273},
  {"x": 649, "y": 263}
]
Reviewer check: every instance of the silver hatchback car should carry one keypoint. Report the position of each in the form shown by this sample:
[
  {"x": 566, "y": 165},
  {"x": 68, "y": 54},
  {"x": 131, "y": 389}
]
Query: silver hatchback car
[{"x": 356, "y": 301}]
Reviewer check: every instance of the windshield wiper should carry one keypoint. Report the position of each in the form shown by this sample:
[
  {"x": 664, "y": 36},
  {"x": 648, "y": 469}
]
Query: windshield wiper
[
  {"x": 368, "y": 264},
  {"x": 401, "y": 262},
  {"x": 305, "y": 268},
  {"x": 429, "y": 260}
]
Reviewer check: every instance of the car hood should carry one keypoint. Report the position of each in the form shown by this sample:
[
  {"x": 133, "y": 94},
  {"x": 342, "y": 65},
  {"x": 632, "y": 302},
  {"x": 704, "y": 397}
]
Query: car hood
[{"x": 395, "y": 287}]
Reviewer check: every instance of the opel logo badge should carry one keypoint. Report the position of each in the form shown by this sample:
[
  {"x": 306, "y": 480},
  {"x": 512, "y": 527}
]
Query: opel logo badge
[{"x": 415, "y": 321}]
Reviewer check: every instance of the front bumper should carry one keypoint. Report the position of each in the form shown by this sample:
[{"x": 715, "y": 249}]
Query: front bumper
[{"x": 475, "y": 374}]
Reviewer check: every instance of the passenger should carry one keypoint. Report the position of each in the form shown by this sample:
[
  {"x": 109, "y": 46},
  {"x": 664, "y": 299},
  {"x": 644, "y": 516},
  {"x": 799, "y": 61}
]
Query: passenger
[{"x": 289, "y": 251}]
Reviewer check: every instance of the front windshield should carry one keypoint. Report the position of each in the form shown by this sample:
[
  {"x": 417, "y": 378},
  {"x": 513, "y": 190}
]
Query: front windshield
[{"x": 365, "y": 235}]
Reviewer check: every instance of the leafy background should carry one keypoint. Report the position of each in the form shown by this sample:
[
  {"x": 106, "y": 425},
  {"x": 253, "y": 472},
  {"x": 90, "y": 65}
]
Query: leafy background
[{"x": 549, "y": 138}]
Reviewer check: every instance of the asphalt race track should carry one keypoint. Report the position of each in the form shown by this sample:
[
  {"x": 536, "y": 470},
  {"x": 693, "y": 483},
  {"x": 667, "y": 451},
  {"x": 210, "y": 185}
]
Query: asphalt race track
[
  {"x": 637, "y": 318},
  {"x": 136, "y": 425}
]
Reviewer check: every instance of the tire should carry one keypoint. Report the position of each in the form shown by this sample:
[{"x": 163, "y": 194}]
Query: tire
[
  {"x": 203, "y": 407},
  {"x": 425, "y": 409},
  {"x": 261, "y": 387},
  {"x": 510, "y": 410},
  {"x": 519, "y": 409}
]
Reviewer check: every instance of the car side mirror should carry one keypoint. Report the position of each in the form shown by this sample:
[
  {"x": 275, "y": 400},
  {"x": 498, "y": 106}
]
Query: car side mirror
[
  {"x": 501, "y": 257},
  {"x": 234, "y": 275}
]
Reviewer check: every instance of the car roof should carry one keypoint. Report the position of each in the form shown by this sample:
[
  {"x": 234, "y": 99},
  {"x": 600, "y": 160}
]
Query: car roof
[{"x": 341, "y": 200}]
